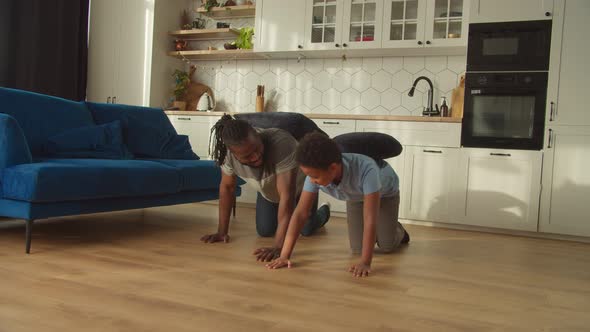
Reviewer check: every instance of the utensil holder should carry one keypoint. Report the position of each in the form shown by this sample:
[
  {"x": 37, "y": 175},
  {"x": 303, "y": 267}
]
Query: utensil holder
[{"x": 259, "y": 104}]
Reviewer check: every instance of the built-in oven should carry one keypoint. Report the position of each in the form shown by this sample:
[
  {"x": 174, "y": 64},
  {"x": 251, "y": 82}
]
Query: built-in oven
[
  {"x": 504, "y": 110},
  {"x": 509, "y": 46}
]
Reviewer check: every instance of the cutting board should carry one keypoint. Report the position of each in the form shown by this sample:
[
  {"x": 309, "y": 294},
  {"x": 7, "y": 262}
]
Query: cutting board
[
  {"x": 457, "y": 99},
  {"x": 194, "y": 91}
]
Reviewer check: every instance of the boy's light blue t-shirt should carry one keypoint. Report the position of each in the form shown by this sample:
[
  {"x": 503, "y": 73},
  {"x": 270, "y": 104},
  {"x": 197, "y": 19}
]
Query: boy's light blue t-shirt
[{"x": 360, "y": 176}]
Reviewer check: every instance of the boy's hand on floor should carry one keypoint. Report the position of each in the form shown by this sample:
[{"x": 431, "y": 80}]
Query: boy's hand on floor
[
  {"x": 267, "y": 254},
  {"x": 217, "y": 237},
  {"x": 360, "y": 270},
  {"x": 279, "y": 263}
]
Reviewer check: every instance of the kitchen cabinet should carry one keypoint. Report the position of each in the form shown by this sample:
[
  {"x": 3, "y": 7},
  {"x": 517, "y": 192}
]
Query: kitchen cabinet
[
  {"x": 278, "y": 27},
  {"x": 499, "y": 188},
  {"x": 483, "y": 11},
  {"x": 569, "y": 68},
  {"x": 126, "y": 61},
  {"x": 416, "y": 137},
  {"x": 335, "y": 127},
  {"x": 198, "y": 129},
  {"x": 120, "y": 50},
  {"x": 421, "y": 23},
  {"x": 343, "y": 24},
  {"x": 430, "y": 174},
  {"x": 566, "y": 181}
]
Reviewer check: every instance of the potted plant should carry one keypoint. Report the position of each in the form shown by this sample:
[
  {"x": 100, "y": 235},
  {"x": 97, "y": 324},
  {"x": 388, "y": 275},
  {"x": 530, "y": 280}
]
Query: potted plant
[
  {"x": 208, "y": 4},
  {"x": 244, "y": 40},
  {"x": 181, "y": 79}
]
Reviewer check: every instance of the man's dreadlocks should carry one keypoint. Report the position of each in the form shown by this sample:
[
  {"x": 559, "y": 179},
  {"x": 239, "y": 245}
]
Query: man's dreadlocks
[{"x": 227, "y": 132}]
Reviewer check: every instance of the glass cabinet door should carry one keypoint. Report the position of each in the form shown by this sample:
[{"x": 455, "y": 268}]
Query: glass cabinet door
[
  {"x": 447, "y": 24},
  {"x": 362, "y": 23},
  {"x": 404, "y": 23},
  {"x": 323, "y": 24}
]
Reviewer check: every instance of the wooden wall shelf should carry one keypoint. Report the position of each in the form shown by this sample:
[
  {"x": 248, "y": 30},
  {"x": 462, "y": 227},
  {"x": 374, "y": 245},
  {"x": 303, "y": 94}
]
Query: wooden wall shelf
[
  {"x": 205, "y": 34},
  {"x": 229, "y": 12},
  {"x": 216, "y": 54}
]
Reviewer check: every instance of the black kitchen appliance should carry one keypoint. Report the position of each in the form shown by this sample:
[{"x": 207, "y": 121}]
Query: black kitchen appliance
[
  {"x": 509, "y": 46},
  {"x": 504, "y": 110}
]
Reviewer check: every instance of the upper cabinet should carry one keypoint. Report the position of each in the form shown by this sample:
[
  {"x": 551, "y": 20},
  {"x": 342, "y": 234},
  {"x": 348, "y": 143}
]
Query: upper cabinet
[
  {"x": 569, "y": 67},
  {"x": 421, "y": 23},
  {"x": 360, "y": 24},
  {"x": 323, "y": 24},
  {"x": 483, "y": 11},
  {"x": 278, "y": 28}
]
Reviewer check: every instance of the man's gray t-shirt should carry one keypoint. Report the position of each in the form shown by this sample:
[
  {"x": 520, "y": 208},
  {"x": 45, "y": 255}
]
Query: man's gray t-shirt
[
  {"x": 360, "y": 176},
  {"x": 280, "y": 148}
]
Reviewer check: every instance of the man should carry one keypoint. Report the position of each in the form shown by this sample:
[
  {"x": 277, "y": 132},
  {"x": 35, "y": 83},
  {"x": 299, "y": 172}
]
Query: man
[{"x": 265, "y": 158}]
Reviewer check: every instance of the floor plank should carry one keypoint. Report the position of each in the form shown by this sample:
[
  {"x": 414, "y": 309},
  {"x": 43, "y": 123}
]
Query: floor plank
[{"x": 147, "y": 271}]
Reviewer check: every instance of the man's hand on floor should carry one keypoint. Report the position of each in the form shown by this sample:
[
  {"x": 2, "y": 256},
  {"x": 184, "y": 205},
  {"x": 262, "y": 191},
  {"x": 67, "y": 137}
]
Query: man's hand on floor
[
  {"x": 267, "y": 254},
  {"x": 217, "y": 237}
]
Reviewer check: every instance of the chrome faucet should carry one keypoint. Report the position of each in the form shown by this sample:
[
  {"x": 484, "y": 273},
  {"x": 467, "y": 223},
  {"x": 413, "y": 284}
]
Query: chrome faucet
[{"x": 429, "y": 110}]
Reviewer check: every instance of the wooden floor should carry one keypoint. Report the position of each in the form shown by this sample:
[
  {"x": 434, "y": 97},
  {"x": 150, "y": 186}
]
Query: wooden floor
[{"x": 147, "y": 271}]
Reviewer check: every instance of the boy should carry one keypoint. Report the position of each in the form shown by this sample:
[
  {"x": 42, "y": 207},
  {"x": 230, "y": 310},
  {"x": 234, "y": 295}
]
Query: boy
[{"x": 371, "y": 193}]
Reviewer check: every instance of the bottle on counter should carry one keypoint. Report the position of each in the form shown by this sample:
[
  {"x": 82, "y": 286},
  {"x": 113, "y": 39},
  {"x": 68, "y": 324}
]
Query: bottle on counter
[{"x": 444, "y": 108}]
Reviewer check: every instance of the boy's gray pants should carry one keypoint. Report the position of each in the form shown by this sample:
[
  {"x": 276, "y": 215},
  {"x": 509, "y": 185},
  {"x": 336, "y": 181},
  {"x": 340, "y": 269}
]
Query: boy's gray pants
[{"x": 389, "y": 231}]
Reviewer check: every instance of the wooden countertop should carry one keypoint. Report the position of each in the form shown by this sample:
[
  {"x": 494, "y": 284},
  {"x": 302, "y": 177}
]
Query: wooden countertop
[{"x": 341, "y": 116}]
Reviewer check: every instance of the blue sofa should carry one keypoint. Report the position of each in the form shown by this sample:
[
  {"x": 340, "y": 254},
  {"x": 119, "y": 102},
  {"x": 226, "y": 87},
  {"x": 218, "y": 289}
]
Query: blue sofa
[{"x": 60, "y": 158}]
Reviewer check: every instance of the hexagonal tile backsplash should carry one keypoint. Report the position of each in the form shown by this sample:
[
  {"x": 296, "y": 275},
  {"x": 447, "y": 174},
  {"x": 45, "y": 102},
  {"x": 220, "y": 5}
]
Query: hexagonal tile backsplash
[{"x": 353, "y": 86}]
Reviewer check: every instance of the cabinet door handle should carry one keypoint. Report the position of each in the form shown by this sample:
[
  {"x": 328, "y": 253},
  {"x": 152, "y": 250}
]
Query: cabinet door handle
[
  {"x": 300, "y": 47},
  {"x": 345, "y": 45},
  {"x": 185, "y": 119},
  {"x": 547, "y": 14},
  {"x": 432, "y": 151},
  {"x": 419, "y": 42},
  {"x": 500, "y": 154},
  {"x": 428, "y": 42},
  {"x": 337, "y": 45},
  {"x": 552, "y": 112},
  {"x": 331, "y": 122},
  {"x": 114, "y": 99},
  {"x": 550, "y": 139},
  {"x": 108, "y": 99}
]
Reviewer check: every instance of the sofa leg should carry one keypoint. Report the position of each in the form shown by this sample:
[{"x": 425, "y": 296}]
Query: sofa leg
[
  {"x": 234, "y": 207},
  {"x": 28, "y": 232}
]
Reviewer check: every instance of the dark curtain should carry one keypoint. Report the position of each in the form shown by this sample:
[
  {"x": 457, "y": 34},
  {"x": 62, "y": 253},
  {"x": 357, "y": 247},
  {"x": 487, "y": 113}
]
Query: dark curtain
[{"x": 44, "y": 46}]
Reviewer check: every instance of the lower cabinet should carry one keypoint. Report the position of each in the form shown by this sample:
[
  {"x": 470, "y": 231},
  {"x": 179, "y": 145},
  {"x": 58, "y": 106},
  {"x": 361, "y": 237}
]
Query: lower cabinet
[
  {"x": 430, "y": 175},
  {"x": 499, "y": 188},
  {"x": 335, "y": 127},
  {"x": 566, "y": 182},
  {"x": 441, "y": 182},
  {"x": 197, "y": 128}
]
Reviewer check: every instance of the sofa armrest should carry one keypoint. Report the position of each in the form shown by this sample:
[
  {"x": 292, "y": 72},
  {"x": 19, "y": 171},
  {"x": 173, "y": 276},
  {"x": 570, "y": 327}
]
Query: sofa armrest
[{"x": 14, "y": 149}]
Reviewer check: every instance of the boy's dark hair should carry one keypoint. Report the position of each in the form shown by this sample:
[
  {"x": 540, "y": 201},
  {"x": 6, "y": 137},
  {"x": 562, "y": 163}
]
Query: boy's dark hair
[
  {"x": 227, "y": 132},
  {"x": 317, "y": 150}
]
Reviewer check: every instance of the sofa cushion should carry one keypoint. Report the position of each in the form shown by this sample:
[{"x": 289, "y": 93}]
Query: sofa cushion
[
  {"x": 41, "y": 116},
  {"x": 195, "y": 174},
  {"x": 147, "y": 131},
  {"x": 14, "y": 149},
  {"x": 378, "y": 146},
  {"x": 53, "y": 180},
  {"x": 179, "y": 147},
  {"x": 98, "y": 141}
]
